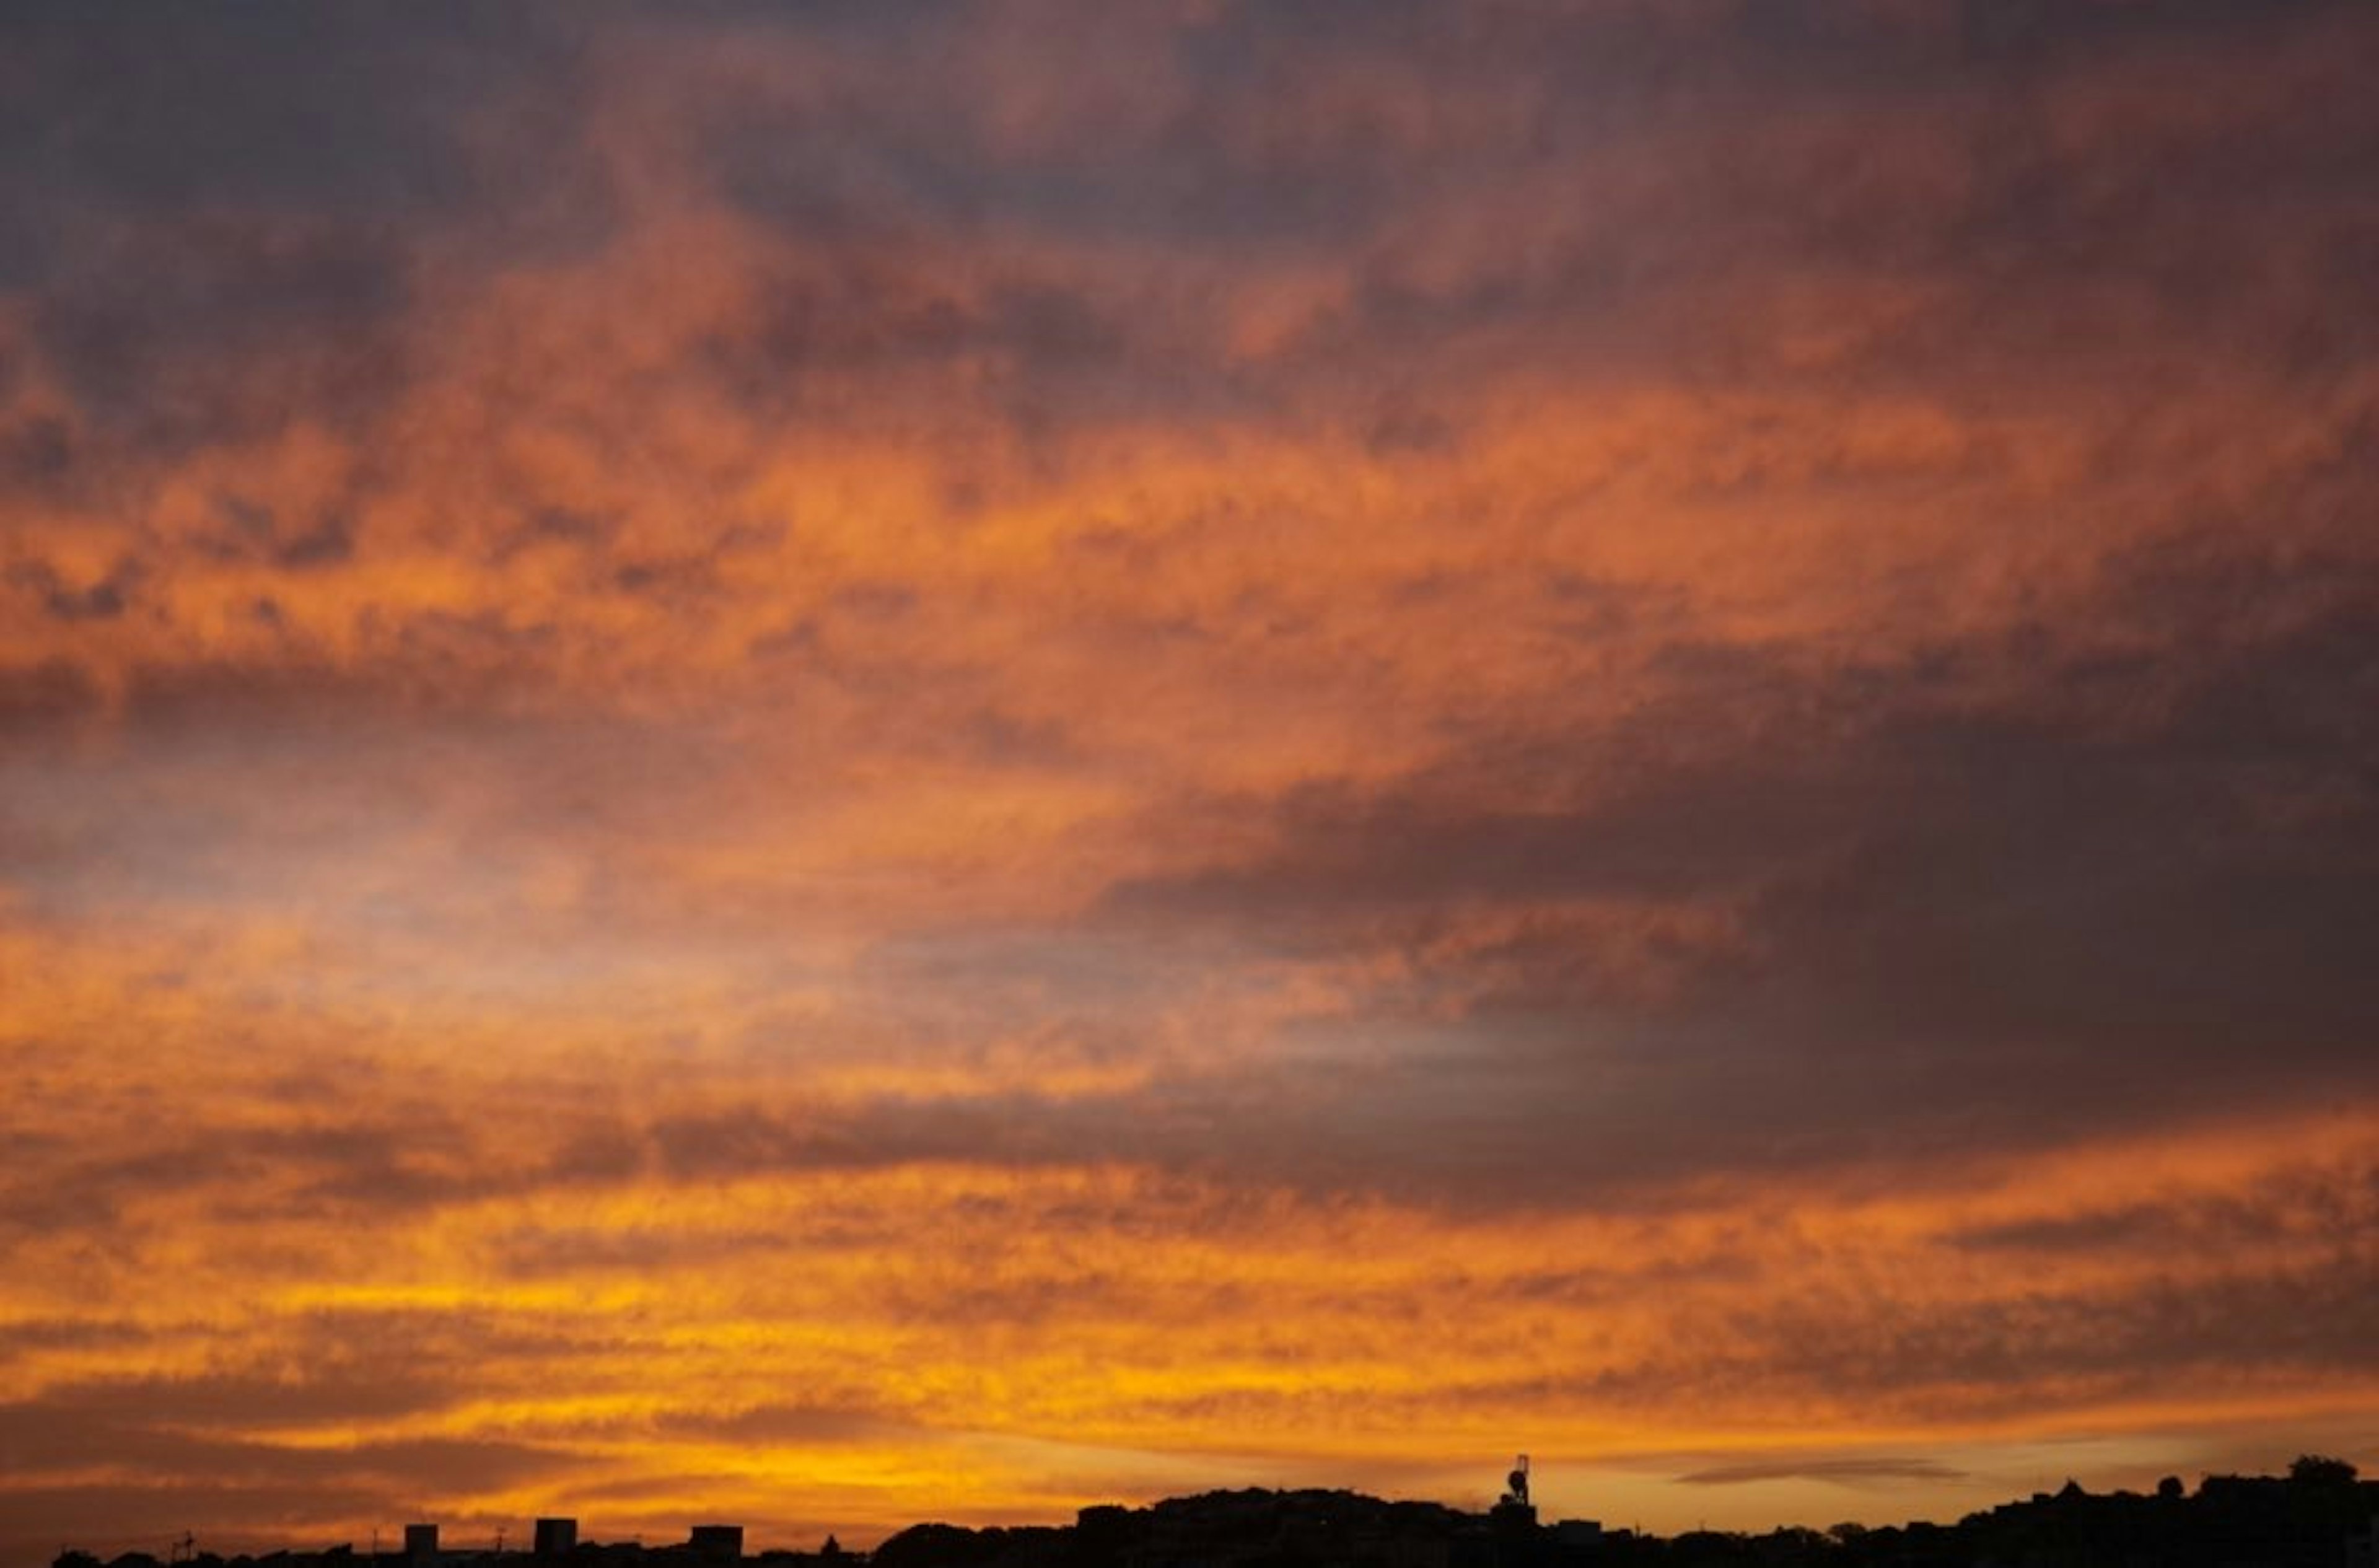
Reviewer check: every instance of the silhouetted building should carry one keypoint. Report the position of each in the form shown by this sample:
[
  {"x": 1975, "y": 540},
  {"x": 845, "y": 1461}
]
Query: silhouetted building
[
  {"x": 717, "y": 1543},
  {"x": 1513, "y": 1516},
  {"x": 557, "y": 1538},
  {"x": 421, "y": 1542}
]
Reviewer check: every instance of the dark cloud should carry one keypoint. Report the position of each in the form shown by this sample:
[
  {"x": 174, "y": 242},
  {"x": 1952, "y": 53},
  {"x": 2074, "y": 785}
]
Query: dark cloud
[
  {"x": 2009, "y": 890},
  {"x": 368, "y": 111},
  {"x": 55, "y": 1438},
  {"x": 873, "y": 1134},
  {"x": 776, "y": 1425},
  {"x": 173, "y": 334},
  {"x": 414, "y": 1160},
  {"x": 169, "y": 1408},
  {"x": 46, "y": 695},
  {"x": 2313, "y": 1202},
  {"x": 2077, "y": 1346},
  {"x": 37, "y": 451},
  {"x": 1849, "y": 1472},
  {"x": 102, "y": 600}
]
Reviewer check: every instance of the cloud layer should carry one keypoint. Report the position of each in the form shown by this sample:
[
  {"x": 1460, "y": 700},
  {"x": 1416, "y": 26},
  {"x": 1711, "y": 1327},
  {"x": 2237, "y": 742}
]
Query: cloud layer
[{"x": 837, "y": 766}]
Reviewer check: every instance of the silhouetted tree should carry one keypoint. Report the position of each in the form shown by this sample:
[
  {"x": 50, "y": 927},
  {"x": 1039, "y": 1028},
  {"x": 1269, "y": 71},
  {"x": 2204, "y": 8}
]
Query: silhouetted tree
[
  {"x": 937, "y": 1545},
  {"x": 2169, "y": 1489},
  {"x": 2320, "y": 1470}
]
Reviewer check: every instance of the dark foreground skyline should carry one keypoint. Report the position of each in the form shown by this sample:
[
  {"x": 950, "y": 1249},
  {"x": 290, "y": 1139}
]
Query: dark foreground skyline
[
  {"x": 2319, "y": 1514},
  {"x": 840, "y": 758}
]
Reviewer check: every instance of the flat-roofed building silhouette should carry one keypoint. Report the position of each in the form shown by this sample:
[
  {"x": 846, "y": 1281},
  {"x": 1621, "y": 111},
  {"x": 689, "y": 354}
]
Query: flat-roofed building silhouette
[
  {"x": 717, "y": 1543},
  {"x": 557, "y": 1538}
]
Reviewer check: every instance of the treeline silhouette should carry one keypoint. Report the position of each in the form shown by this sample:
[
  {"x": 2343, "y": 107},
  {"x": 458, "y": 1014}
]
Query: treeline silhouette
[{"x": 2321, "y": 1515}]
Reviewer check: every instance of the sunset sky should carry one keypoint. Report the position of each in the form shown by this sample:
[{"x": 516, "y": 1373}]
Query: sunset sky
[{"x": 836, "y": 762}]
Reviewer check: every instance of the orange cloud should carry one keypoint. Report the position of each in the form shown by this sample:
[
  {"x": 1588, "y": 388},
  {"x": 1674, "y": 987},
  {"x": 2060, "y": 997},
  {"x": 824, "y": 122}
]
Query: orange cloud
[{"x": 841, "y": 768}]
